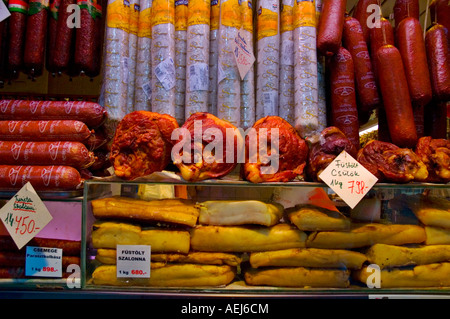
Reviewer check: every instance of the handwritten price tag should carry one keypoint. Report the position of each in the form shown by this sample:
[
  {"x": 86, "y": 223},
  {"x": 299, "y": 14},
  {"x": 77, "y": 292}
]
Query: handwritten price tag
[
  {"x": 243, "y": 53},
  {"x": 25, "y": 215},
  {"x": 133, "y": 261},
  {"x": 348, "y": 178}
]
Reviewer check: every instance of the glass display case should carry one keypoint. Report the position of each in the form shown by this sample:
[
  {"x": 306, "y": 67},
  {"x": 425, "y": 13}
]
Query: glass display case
[
  {"x": 223, "y": 238},
  {"x": 61, "y": 239}
]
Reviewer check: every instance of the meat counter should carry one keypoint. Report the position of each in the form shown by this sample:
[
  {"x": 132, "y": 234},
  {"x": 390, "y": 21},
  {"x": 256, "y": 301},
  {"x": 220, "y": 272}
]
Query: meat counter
[{"x": 277, "y": 239}]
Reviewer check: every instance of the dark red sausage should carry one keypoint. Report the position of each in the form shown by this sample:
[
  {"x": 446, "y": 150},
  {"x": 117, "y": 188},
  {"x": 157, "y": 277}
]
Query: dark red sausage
[
  {"x": 331, "y": 23},
  {"x": 17, "y": 30},
  {"x": 92, "y": 114},
  {"x": 35, "y": 39},
  {"x": 404, "y": 9},
  {"x": 51, "y": 36},
  {"x": 360, "y": 13},
  {"x": 436, "y": 44},
  {"x": 64, "y": 34},
  {"x": 343, "y": 95},
  {"x": 395, "y": 94},
  {"x": 55, "y": 178},
  {"x": 4, "y": 47},
  {"x": 411, "y": 45},
  {"x": 440, "y": 13},
  {"x": 366, "y": 87},
  {"x": 379, "y": 37},
  {"x": 89, "y": 41},
  {"x": 44, "y": 131},
  {"x": 73, "y": 154},
  {"x": 436, "y": 119},
  {"x": 419, "y": 119}
]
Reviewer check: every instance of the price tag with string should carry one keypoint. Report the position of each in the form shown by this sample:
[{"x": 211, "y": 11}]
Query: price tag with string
[
  {"x": 348, "y": 179},
  {"x": 24, "y": 215}
]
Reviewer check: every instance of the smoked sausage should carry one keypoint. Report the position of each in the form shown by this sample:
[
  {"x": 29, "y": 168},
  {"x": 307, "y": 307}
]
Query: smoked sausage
[
  {"x": 51, "y": 36},
  {"x": 73, "y": 154},
  {"x": 17, "y": 30},
  {"x": 35, "y": 38},
  {"x": 92, "y": 114},
  {"x": 379, "y": 37},
  {"x": 440, "y": 13},
  {"x": 404, "y": 9},
  {"x": 411, "y": 45},
  {"x": 436, "y": 44},
  {"x": 64, "y": 35},
  {"x": 343, "y": 95},
  {"x": 360, "y": 13},
  {"x": 65, "y": 130},
  {"x": 354, "y": 42},
  {"x": 331, "y": 23},
  {"x": 395, "y": 94},
  {"x": 88, "y": 40},
  {"x": 42, "y": 178}
]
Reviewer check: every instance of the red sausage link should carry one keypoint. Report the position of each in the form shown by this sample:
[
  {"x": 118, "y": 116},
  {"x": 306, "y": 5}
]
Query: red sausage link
[
  {"x": 51, "y": 36},
  {"x": 44, "y": 131},
  {"x": 42, "y": 178},
  {"x": 331, "y": 23},
  {"x": 436, "y": 44},
  {"x": 35, "y": 39},
  {"x": 404, "y": 9},
  {"x": 92, "y": 114},
  {"x": 379, "y": 37},
  {"x": 17, "y": 30},
  {"x": 411, "y": 45},
  {"x": 395, "y": 94},
  {"x": 436, "y": 119},
  {"x": 64, "y": 35},
  {"x": 73, "y": 154},
  {"x": 343, "y": 95},
  {"x": 3, "y": 48},
  {"x": 89, "y": 42},
  {"x": 360, "y": 13},
  {"x": 366, "y": 87},
  {"x": 440, "y": 13}
]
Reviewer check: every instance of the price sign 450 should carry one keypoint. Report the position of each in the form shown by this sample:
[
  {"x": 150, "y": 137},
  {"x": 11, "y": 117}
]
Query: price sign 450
[{"x": 24, "y": 224}]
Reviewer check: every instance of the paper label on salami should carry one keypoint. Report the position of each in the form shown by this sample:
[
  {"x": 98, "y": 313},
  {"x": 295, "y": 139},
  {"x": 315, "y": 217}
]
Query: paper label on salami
[
  {"x": 348, "y": 179},
  {"x": 199, "y": 77},
  {"x": 43, "y": 262},
  {"x": 24, "y": 215},
  {"x": 133, "y": 261},
  {"x": 243, "y": 53},
  {"x": 4, "y": 12},
  {"x": 165, "y": 72}
]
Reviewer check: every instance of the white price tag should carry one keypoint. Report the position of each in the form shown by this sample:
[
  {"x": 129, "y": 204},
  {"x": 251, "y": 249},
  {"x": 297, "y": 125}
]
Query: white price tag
[
  {"x": 242, "y": 53},
  {"x": 147, "y": 88},
  {"x": 199, "y": 77},
  {"x": 133, "y": 261},
  {"x": 221, "y": 75},
  {"x": 348, "y": 178},
  {"x": 24, "y": 215},
  {"x": 43, "y": 262},
  {"x": 165, "y": 72},
  {"x": 287, "y": 57},
  {"x": 4, "y": 12}
]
